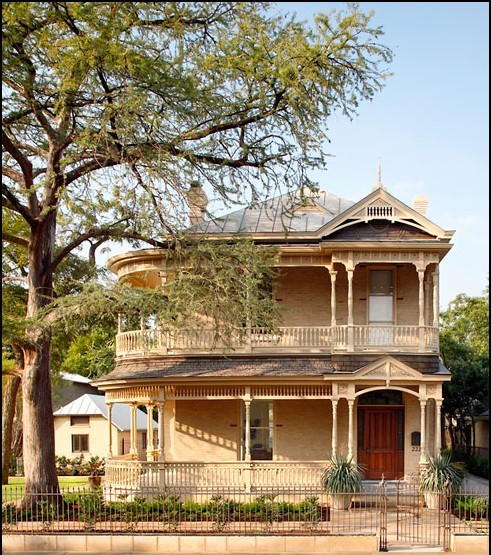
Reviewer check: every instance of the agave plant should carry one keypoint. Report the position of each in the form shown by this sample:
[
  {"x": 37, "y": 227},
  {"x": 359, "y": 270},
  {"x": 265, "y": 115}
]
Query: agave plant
[
  {"x": 343, "y": 475},
  {"x": 439, "y": 471}
]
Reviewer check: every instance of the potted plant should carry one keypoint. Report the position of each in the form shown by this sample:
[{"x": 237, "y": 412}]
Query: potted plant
[
  {"x": 435, "y": 474},
  {"x": 95, "y": 467},
  {"x": 342, "y": 479}
]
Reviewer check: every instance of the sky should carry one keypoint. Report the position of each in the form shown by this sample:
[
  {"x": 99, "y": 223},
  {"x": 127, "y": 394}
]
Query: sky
[{"x": 429, "y": 126}]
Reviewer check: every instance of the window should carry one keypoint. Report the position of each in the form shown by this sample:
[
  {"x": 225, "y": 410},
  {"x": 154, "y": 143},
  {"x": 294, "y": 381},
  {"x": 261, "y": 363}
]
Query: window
[
  {"x": 380, "y": 307},
  {"x": 79, "y": 420},
  {"x": 261, "y": 439},
  {"x": 80, "y": 443}
]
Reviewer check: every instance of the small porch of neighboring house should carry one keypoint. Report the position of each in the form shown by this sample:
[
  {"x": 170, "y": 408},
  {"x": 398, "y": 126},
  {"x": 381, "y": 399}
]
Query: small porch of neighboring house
[{"x": 250, "y": 434}]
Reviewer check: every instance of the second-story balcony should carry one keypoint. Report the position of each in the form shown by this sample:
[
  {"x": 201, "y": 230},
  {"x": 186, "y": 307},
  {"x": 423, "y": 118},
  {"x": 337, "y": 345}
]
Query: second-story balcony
[{"x": 286, "y": 340}]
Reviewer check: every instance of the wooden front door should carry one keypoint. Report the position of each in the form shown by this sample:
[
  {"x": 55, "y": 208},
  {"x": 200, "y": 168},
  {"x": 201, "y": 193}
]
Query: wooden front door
[{"x": 381, "y": 442}]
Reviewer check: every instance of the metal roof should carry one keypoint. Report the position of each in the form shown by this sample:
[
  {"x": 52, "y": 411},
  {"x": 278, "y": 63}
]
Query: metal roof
[
  {"x": 90, "y": 404},
  {"x": 74, "y": 377},
  {"x": 296, "y": 211}
]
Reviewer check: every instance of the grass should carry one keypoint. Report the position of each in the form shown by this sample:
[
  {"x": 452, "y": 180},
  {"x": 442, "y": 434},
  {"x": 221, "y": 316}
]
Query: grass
[{"x": 16, "y": 485}]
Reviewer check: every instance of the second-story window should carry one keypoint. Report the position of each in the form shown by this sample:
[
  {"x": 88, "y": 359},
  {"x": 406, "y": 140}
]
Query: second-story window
[
  {"x": 381, "y": 307},
  {"x": 381, "y": 297}
]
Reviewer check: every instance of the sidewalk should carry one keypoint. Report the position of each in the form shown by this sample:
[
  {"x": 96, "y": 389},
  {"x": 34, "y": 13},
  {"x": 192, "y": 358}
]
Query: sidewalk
[{"x": 476, "y": 484}]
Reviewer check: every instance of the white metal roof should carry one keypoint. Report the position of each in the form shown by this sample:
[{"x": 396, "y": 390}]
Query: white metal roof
[
  {"x": 89, "y": 404},
  {"x": 74, "y": 377}
]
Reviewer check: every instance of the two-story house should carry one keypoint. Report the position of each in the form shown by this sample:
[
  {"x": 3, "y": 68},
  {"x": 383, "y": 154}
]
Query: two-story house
[{"x": 354, "y": 369}]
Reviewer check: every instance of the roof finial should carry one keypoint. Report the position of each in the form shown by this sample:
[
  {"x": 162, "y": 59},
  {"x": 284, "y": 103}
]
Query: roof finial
[{"x": 379, "y": 180}]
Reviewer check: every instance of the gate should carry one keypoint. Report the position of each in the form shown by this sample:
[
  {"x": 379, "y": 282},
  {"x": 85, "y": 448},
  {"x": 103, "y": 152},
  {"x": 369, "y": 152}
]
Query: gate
[{"x": 405, "y": 520}]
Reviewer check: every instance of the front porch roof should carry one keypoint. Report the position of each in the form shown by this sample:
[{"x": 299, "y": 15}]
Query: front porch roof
[
  {"x": 234, "y": 367},
  {"x": 219, "y": 367}
]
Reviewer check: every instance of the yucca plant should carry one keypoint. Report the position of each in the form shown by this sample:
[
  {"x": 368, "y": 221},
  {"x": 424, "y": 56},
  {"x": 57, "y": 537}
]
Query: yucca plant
[
  {"x": 343, "y": 475},
  {"x": 440, "y": 470}
]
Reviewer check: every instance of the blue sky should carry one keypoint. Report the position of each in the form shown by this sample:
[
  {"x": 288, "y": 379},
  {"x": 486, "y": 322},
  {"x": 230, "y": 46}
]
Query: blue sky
[{"x": 429, "y": 126}]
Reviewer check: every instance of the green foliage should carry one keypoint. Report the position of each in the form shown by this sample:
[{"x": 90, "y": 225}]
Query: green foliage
[
  {"x": 440, "y": 471},
  {"x": 78, "y": 466},
  {"x": 471, "y": 507},
  {"x": 467, "y": 321},
  {"x": 343, "y": 475},
  {"x": 91, "y": 354},
  {"x": 475, "y": 464},
  {"x": 212, "y": 283},
  {"x": 464, "y": 343}
]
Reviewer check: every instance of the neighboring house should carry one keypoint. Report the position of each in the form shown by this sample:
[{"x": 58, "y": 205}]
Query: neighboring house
[
  {"x": 68, "y": 386},
  {"x": 355, "y": 368},
  {"x": 481, "y": 423},
  {"x": 82, "y": 427}
]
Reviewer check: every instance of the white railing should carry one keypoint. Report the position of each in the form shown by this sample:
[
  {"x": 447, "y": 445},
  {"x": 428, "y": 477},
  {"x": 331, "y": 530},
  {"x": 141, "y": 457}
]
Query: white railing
[
  {"x": 313, "y": 339},
  {"x": 239, "y": 474}
]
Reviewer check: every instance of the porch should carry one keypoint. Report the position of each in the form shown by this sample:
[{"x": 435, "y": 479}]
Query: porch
[{"x": 286, "y": 340}]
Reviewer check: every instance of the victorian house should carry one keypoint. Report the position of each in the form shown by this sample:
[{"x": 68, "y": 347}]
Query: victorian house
[{"x": 354, "y": 368}]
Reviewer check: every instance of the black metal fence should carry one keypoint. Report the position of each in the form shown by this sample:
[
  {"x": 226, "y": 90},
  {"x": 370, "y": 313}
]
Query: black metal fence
[{"x": 394, "y": 511}]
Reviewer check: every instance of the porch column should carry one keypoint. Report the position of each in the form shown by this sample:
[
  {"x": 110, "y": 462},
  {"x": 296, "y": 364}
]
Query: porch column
[
  {"x": 438, "y": 426},
  {"x": 150, "y": 445},
  {"x": 351, "y": 342},
  {"x": 247, "y": 454},
  {"x": 110, "y": 429},
  {"x": 421, "y": 322},
  {"x": 120, "y": 322},
  {"x": 427, "y": 303},
  {"x": 436, "y": 299},
  {"x": 333, "y": 275},
  {"x": 422, "y": 456},
  {"x": 133, "y": 431},
  {"x": 351, "y": 403},
  {"x": 334, "y": 442},
  {"x": 161, "y": 434}
]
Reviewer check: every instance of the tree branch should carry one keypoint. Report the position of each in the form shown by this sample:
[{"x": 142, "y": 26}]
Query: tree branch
[
  {"x": 12, "y": 202},
  {"x": 16, "y": 240}
]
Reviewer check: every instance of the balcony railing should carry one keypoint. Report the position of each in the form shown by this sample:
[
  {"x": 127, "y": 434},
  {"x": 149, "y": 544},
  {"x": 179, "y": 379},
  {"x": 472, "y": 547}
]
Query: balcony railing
[{"x": 308, "y": 340}]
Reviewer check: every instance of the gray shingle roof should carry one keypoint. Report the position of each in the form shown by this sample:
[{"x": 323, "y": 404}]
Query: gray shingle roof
[
  {"x": 283, "y": 213},
  {"x": 219, "y": 368},
  {"x": 89, "y": 404}
]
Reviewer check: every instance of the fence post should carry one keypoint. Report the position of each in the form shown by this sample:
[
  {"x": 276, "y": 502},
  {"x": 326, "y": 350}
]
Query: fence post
[
  {"x": 447, "y": 509},
  {"x": 383, "y": 515}
]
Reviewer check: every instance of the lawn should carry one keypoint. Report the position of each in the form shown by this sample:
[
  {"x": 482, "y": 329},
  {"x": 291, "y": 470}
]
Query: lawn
[{"x": 15, "y": 487}]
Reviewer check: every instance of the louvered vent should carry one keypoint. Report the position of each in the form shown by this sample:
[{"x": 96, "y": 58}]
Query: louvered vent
[{"x": 380, "y": 211}]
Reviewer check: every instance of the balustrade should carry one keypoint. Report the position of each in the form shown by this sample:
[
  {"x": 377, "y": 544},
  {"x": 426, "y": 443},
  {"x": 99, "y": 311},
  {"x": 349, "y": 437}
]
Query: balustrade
[
  {"x": 240, "y": 474},
  {"x": 313, "y": 339}
]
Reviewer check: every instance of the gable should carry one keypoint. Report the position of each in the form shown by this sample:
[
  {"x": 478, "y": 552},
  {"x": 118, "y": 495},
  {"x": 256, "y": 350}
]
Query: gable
[
  {"x": 388, "y": 369},
  {"x": 380, "y": 207}
]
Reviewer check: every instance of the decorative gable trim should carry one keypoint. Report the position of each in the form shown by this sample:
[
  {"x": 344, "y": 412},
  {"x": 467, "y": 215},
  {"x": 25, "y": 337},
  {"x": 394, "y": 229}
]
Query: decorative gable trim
[
  {"x": 380, "y": 205},
  {"x": 388, "y": 369}
]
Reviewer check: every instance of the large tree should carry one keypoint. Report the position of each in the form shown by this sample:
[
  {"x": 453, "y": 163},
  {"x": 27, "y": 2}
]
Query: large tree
[
  {"x": 111, "y": 109},
  {"x": 464, "y": 344}
]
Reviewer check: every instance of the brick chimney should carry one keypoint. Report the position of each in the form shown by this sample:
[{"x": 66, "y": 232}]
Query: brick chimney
[
  {"x": 420, "y": 204},
  {"x": 197, "y": 202}
]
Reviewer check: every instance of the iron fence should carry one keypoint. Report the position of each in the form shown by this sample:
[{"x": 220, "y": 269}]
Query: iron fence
[{"x": 394, "y": 511}]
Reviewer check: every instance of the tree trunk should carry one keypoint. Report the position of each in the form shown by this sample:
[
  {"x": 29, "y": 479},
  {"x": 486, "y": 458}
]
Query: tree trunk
[
  {"x": 9, "y": 399},
  {"x": 37, "y": 411}
]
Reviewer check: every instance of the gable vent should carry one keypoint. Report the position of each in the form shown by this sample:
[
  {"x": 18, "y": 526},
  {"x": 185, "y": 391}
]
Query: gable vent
[{"x": 380, "y": 211}]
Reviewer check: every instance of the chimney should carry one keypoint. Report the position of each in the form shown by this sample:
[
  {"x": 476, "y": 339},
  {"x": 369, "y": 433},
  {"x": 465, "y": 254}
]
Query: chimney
[
  {"x": 420, "y": 204},
  {"x": 197, "y": 202}
]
